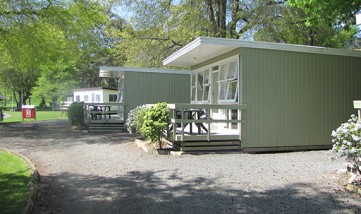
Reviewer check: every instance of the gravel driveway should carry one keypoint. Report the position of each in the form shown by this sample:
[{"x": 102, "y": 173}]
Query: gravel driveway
[{"x": 107, "y": 173}]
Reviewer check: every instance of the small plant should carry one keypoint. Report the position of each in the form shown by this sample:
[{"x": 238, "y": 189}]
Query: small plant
[
  {"x": 76, "y": 114},
  {"x": 155, "y": 121},
  {"x": 347, "y": 142},
  {"x": 135, "y": 119}
]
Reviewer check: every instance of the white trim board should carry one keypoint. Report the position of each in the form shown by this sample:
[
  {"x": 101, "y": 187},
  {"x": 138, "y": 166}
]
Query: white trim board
[
  {"x": 205, "y": 48},
  {"x": 110, "y": 71}
]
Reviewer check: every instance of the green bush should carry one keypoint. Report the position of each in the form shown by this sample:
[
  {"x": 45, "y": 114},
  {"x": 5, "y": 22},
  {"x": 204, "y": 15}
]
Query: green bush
[
  {"x": 155, "y": 121},
  {"x": 76, "y": 114}
]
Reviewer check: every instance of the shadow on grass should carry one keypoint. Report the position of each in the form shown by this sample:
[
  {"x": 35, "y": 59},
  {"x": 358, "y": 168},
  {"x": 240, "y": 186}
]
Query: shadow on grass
[
  {"x": 13, "y": 192},
  {"x": 166, "y": 192}
]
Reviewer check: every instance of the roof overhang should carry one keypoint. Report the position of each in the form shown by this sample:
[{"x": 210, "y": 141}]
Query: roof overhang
[
  {"x": 205, "y": 48},
  {"x": 115, "y": 71}
]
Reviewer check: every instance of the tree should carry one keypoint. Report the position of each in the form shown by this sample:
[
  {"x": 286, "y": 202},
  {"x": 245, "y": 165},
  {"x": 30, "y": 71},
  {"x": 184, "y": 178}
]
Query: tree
[
  {"x": 158, "y": 28},
  {"x": 34, "y": 34},
  {"x": 291, "y": 27},
  {"x": 328, "y": 23}
]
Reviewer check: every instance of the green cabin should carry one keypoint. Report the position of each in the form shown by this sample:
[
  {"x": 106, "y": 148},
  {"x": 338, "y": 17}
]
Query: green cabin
[
  {"x": 266, "y": 96},
  {"x": 140, "y": 86}
]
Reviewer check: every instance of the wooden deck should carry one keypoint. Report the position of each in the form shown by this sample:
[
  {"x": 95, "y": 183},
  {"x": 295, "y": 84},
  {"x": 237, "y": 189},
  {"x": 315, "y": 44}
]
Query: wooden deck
[
  {"x": 104, "y": 116},
  {"x": 199, "y": 127}
]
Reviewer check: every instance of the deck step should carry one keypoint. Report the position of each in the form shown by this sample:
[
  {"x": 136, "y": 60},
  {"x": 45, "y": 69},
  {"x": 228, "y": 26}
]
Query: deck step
[
  {"x": 205, "y": 146},
  {"x": 105, "y": 127}
]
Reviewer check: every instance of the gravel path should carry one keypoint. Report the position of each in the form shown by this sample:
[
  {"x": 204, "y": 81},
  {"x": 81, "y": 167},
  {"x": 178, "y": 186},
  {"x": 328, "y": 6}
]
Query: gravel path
[{"x": 107, "y": 173}]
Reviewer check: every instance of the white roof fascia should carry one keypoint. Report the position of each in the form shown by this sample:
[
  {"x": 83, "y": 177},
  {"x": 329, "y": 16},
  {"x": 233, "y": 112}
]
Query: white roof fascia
[
  {"x": 116, "y": 69},
  {"x": 190, "y": 46},
  {"x": 94, "y": 89},
  {"x": 235, "y": 43}
]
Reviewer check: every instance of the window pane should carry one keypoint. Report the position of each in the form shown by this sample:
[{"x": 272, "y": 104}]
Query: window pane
[
  {"x": 232, "y": 70},
  {"x": 193, "y": 79},
  {"x": 199, "y": 92},
  {"x": 206, "y": 77},
  {"x": 193, "y": 98},
  {"x": 232, "y": 89},
  {"x": 200, "y": 78},
  {"x": 215, "y": 68},
  {"x": 199, "y": 86},
  {"x": 223, "y": 72},
  {"x": 206, "y": 93},
  {"x": 112, "y": 97},
  {"x": 222, "y": 91}
]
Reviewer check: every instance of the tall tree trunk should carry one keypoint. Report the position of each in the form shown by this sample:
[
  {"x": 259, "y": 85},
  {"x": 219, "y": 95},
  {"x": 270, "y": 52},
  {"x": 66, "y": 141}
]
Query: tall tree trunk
[
  {"x": 222, "y": 7},
  {"x": 311, "y": 38},
  {"x": 233, "y": 24},
  {"x": 210, "y": 11}
]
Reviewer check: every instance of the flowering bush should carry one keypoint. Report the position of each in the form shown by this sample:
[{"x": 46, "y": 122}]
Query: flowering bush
[
  {"x": 135, "y": 119},
  {"x": 347, "y": 142}
]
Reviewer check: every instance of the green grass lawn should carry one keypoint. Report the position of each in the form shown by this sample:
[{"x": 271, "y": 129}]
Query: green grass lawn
[
  {"x": 16, "y": 116},
  {"x": 14, "y": 178}
]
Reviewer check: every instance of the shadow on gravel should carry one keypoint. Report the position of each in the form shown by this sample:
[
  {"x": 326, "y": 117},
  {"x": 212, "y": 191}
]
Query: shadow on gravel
[
  {"x": 153, "y": 192},
  {"x": 45, "y": 135}
]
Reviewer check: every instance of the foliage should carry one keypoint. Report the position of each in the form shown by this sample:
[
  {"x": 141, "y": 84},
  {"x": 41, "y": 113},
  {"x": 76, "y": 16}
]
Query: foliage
[
  {"x": 60, "y": 32},
  {"x": 156, "y": 29},
  {"x": 328, "y": 11},
  {"x": 156, "y": 120},
  {"x": 14, "y": 178},
  {"x": 135, "y": 119},
  {"x": 347, "y": 141},
  {"x": 76, "y": 114}
]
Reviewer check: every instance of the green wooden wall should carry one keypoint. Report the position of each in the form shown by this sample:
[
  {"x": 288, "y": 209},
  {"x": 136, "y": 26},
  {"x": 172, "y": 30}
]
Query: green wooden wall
[
  {"x": 149, "y": 88},
  {"x": 296, "y": 99}
]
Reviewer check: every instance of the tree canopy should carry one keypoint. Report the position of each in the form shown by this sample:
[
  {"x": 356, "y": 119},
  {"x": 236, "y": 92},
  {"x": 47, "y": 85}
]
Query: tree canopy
[
  {"x": 48, "y": 47},
  {"x": 158, "y": 28},
  {"x": 42, "y": 41}
]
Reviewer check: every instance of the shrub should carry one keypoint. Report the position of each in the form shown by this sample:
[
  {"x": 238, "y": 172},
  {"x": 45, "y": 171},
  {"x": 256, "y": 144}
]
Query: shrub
[
  {"x": 347, "y": 142},
  {"x": 135, "y": 119},
  {"x": 76, "y": 114},
  {"x": 155, "y": 121}
]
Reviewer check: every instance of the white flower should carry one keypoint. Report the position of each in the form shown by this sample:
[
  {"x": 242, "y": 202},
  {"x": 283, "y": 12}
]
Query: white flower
[
  {"x": 352, "y": 151},
  {"x": 355, "y": 138},
  {"x": 334, "y": 133}
]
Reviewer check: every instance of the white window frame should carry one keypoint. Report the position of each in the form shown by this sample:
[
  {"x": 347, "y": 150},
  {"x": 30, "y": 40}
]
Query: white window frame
[
  {"x": 93, "y": 97},
  {"x": 228, "y": 81},
  {"x": 196, "y": 86},
  {"x": 113, "y": 97},
  {"x": 193, "y": 87},
  {"x": 97, "y": 97}
]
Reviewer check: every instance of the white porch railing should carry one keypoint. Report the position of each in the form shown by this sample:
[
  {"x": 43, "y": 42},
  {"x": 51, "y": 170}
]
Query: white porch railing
[
  {"x": 104, "y": 112},
  {"x": 205, "y": 122}
]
